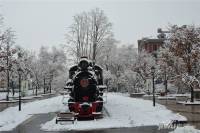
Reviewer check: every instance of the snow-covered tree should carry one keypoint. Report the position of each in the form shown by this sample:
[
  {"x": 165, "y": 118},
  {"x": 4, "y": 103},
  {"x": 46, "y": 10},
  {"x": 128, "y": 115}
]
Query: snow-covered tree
[
  {"x": 52, "y": 65},
  {"x": 88, "y": 33},
  {"x": 119, "y": 64},
  {"x": 7, "y": 53},
  {"x": 35, "y": 71},
  {"x": 108, "y": 51},
  {"x": 183, "y": 47},
  {"x": 144, "y": 62}
]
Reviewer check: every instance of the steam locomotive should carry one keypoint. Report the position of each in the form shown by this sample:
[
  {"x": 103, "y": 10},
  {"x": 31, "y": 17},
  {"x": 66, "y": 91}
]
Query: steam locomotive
[{"x": 86, "y": 89}]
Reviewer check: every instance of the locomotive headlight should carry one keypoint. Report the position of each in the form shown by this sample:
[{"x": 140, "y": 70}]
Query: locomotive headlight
[{"x": 84, "y": 83}]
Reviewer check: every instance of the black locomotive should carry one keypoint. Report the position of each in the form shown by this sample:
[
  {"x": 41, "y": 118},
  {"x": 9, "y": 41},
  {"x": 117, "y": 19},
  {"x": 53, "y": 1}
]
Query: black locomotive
[{"x": 86, "y": 89}]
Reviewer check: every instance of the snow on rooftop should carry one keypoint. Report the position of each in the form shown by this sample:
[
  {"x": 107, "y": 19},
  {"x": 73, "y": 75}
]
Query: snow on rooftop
[{"x": 123, "y": 112}]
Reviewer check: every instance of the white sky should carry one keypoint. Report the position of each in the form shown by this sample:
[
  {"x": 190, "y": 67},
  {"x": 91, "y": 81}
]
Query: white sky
[{"x": 44, "y": 22}]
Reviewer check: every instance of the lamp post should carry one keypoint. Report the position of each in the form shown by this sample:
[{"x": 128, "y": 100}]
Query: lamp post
[
  {"x": 44, "y": 85},
  {"x": 153, "y": 76},
  {"x": 36, "y": 88},
  {"x": 118, "y": 75},
  {"x": 51, "y": 78},
  {"x": 165, "y": 81},
  {"x": 20, "y": 73}
]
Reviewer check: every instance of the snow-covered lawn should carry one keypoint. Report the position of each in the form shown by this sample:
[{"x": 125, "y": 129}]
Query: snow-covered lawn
[
  {"x": 124, "y": 112},
  {"x": 11, "y": 117}
]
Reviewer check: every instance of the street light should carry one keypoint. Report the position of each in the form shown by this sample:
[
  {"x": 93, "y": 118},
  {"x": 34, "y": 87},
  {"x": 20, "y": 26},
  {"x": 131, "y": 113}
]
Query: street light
[
  {"x": 20, "y": 71},
  {"x": 118, "y": 75},
  {"x": 165, "y": 76},
  {"x": 153, "y": 75},
  {"x": 51, "y": 78}
]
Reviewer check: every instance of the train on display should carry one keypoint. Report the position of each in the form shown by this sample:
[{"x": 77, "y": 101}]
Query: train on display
[{"x": 85, "y": 88}]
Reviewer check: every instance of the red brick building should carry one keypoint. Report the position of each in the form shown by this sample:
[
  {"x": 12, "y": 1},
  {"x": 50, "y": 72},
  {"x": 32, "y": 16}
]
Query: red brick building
[{"x": 149, "y": 45}]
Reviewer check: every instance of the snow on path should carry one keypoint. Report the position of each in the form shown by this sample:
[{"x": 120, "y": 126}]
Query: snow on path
[
  {"x": 11, "y": 117},
  {"x": 124, "y": 112}
]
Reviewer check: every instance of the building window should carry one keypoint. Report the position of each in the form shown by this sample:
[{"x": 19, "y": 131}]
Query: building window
[
  {"x": 154, "y": 47},
  {"x": 146, "y": 47}
]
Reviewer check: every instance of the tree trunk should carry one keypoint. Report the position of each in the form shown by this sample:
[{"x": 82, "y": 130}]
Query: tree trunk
[
  {"x": 94, "y": 52},
  {"x": 36, "y": 89}
]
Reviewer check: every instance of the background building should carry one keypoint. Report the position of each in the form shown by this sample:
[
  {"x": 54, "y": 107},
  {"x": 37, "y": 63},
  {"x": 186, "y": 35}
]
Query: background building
[
  {"x": 153, "y": 44},
  {"x": 149, "y": 45}
]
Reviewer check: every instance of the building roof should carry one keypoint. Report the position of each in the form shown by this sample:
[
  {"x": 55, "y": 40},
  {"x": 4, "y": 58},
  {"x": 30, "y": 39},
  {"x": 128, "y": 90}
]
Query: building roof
[{"x": 146, "y": 40}]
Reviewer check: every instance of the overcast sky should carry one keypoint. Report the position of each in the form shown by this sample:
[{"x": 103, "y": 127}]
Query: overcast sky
[{"x": 44, "y": 22}]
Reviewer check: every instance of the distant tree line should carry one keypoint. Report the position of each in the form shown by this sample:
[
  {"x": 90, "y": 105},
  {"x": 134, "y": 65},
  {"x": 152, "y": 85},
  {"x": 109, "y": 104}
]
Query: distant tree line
[{"x": 48, "y": 64}]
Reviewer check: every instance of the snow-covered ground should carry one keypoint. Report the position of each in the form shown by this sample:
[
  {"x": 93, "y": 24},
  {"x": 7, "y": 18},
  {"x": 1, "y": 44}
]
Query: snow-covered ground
[
  {"x": 11, "y": 117},
  {"x": 124, "y": 112}
]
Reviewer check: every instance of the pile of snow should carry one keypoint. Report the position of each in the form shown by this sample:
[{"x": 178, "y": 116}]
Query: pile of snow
[
  {"x": 2, "y": 95},
  {"x": 124, "y": 112},
  {"x": 189, "y": 103},
  {"x": 166, "y": 98},
  {"x": 11, "y": 117},
  {"x": 186, "y": 129},
  {"x": 181, "y": 95}
]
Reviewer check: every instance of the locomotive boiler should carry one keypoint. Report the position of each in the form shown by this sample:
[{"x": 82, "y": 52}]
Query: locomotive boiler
[{"x": 86, "y": 89}]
